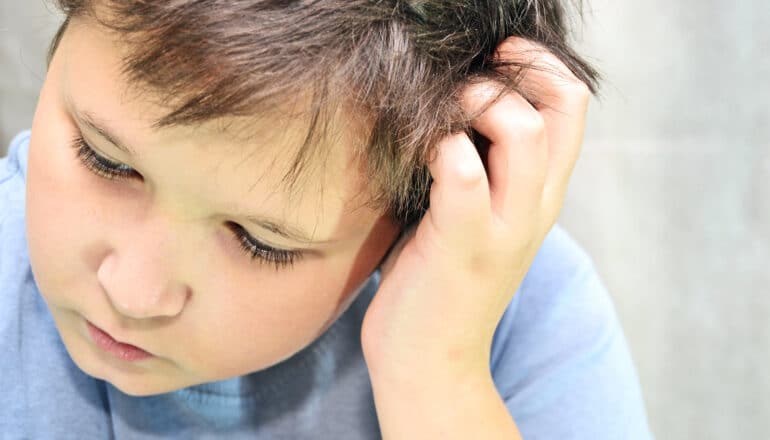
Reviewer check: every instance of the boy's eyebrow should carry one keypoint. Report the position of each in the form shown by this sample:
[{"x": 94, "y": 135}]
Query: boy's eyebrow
[
  {"x": 284, "y": 230},
  {"x": 88, "y": 119}
]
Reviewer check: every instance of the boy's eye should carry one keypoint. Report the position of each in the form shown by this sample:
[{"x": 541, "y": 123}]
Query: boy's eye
[
  {"x": 99, "y": 165},
  {"x": 257, "y": 250},
  {"x": 116, "y": 171}
]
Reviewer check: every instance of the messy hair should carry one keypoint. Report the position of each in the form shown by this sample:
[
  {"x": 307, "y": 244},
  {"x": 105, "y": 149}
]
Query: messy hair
[{"x": 399, "y": 63}]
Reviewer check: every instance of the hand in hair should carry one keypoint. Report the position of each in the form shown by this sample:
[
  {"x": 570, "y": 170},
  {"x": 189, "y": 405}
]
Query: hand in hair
[{"x": 447, "y": 283}]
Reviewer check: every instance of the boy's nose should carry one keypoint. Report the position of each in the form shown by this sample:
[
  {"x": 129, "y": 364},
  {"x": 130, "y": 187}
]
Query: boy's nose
[{"x": 139, "y": 290}]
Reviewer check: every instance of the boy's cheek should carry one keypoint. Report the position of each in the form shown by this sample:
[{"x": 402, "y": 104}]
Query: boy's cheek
[{"x": 57, "y": 225}]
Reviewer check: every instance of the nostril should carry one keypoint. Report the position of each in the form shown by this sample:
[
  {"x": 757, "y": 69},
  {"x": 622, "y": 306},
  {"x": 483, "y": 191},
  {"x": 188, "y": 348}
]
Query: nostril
[
  {"x": 185, "y": 294},
  {"x": 173, "y": 301}
]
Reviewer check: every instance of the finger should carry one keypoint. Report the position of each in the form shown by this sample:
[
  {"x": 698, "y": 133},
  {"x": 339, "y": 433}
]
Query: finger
[
  {"x": 459, "y": 196},
  {"x": 562, "y": 100},
  {"x": 518, "y": 153}
]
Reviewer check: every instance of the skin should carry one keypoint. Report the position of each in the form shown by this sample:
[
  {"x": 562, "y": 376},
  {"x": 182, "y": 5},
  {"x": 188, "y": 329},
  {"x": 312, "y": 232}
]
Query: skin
[{"x": 150, "y": 259}]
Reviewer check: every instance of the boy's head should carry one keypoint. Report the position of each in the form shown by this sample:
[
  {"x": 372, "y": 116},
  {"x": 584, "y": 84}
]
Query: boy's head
[{"x": 240, "y": 119}]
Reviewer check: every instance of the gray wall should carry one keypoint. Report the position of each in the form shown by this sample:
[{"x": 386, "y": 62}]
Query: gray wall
[
  {"x": 672, "y": 198},
  {"x": 671, "y": 195},
  {"x": 25, "y": 29}
]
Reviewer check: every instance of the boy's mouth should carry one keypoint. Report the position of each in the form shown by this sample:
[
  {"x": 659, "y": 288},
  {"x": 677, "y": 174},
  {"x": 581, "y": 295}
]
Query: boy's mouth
[{"x": 104, "y": 341}]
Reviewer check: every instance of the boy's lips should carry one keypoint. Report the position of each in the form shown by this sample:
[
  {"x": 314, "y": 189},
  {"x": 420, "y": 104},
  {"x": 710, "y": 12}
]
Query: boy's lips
[{"x": 104, "y": 341}]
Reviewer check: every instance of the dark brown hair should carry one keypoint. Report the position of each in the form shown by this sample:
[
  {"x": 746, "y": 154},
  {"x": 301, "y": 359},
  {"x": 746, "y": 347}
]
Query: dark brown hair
[{"x": 399, "y": 63}]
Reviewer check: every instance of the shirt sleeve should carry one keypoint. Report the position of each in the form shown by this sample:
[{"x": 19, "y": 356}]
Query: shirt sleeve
[
  {"x": 14, "y": 162},
  {"x": 559, "y": 357}
]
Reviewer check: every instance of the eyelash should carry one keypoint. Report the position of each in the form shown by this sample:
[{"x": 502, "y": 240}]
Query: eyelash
[{"x": 110, "y": 170}]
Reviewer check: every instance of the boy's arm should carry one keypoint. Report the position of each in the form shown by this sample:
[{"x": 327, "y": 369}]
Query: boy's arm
[{"x": 560, "y": 367}]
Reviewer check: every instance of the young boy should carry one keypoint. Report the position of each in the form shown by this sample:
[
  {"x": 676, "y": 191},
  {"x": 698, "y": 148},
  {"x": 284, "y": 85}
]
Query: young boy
[{"x": 260, "y": 219}]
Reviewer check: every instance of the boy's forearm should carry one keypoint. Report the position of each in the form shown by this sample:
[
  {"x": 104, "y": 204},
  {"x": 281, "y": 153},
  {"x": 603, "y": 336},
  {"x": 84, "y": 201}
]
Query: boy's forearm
[{"x": 442, "y": 405}]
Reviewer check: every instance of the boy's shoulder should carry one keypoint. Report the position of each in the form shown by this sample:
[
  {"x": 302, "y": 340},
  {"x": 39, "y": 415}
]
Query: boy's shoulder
[
  {"x": 14, "y": 257},
  {"x": 14, "y": 164},
  {"x": 559, "y": 357},
  {"x": 13, "y": 170}
]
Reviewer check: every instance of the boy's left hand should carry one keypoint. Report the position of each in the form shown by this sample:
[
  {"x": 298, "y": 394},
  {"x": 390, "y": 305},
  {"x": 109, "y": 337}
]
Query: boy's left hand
[{"x": 447, "y": 283}]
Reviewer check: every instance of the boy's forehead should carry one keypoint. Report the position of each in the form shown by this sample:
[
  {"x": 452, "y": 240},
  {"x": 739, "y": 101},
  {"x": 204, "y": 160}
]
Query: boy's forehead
[{"x": 276, "y": 132}]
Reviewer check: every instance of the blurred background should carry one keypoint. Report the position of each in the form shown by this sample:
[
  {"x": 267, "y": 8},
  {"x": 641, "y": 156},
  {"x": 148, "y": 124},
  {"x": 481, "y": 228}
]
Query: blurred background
[{"x": 671, "y": 195}]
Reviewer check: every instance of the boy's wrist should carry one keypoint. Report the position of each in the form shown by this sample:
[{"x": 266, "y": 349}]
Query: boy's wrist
[{"x": 448, "y": 403}]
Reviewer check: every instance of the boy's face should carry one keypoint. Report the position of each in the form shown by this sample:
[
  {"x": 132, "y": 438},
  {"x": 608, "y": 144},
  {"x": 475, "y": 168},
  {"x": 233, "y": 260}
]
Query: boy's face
[{"x": 154, "y": 258}]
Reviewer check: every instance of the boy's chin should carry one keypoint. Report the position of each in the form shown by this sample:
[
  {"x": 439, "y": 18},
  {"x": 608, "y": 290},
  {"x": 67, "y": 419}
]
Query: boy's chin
[
  {"x": 144, "y": 391},
  {"x": 142, "y": 386},
  {"x": 133, "y": 383}
]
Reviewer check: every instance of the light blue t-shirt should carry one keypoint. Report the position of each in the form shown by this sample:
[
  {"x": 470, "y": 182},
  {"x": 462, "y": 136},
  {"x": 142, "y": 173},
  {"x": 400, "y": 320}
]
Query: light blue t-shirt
[{"x": 559, "y": 360}]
